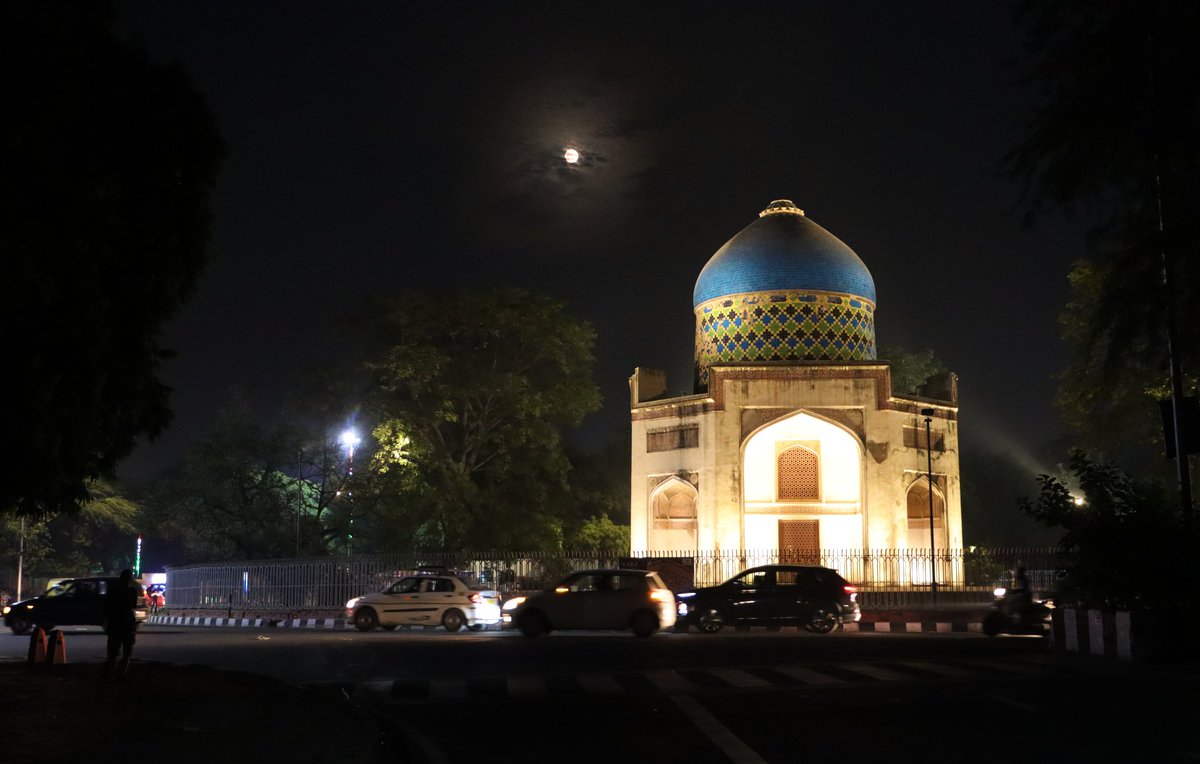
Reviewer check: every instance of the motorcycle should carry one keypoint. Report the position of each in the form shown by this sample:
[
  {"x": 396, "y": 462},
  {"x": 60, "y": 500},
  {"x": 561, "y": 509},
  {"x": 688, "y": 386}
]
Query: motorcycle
[{"x": 1013, "y": 612}]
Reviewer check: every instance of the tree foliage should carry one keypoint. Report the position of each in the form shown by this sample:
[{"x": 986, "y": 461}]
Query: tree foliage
[
  {"x": 109, "y": 161},
  {"x": 1115, "y": 139},
  {"x": 480, "y": 385},
  {"x": 911, "y": 369},
  {"x": 600, "y": 533},
  {"x": 1123, "y": 546},
  {"x": 100, "y": 538}
]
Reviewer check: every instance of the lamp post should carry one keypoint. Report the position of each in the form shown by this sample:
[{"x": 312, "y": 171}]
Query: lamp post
[
  {"x": 928, "y": 414},
  {"x": 349, "y": 439},
  {"x": 21, "y": 561}
]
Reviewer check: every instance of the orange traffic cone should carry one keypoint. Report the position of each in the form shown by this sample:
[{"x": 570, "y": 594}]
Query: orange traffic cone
[
  {"x": 57, "y": 651},
  {"x": 37, "y": 646}
]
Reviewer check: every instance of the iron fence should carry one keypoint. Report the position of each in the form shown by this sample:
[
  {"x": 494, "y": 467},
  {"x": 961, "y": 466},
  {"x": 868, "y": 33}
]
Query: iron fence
[{"x": 886, "y": 577}]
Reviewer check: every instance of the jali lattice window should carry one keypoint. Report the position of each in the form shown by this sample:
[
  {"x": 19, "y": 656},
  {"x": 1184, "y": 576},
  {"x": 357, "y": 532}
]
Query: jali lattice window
[{"x": 799, "y": 475}]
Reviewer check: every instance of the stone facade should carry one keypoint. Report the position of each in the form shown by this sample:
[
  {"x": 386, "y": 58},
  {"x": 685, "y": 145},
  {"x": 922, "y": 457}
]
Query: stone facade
[{"x": 863, "y": 445}]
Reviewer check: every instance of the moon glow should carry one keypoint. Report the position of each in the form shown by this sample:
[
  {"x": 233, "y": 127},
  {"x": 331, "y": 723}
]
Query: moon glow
[{"x": 571, "y": 155}]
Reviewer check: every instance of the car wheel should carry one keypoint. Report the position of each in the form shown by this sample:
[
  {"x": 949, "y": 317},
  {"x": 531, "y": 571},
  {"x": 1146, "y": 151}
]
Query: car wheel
[
  {"x": 822, "y": 619},
  {"x": 20, "y": 625},
  {"x": 534, "y": 625},
  {"x": 365, "y": 619},
  {"x": 476, "y": 627},
  {"x": 389, "y": 627},
  {"x": 453, "y": 620},
  {"x": 710, "y": 621},
  {"x": 644, "y": 624}
]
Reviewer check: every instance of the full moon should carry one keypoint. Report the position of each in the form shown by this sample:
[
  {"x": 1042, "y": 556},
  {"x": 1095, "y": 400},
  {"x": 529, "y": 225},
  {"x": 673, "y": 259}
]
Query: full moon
[{"x": 571, "y": 155}]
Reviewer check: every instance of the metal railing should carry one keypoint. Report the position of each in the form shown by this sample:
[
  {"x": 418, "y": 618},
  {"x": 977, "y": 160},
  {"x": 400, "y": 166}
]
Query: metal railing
[{"x": 886, "y": 577}]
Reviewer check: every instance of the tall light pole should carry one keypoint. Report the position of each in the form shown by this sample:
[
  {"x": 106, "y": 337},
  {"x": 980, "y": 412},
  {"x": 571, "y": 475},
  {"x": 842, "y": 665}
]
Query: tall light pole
[
  {"x": 928, "y": 414},
  {"x": 349, "y": 439},
  {"x": 21, "y": 560}
]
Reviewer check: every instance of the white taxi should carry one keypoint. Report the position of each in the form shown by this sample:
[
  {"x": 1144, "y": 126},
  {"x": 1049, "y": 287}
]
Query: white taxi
[{"x": 426, "y": 600}]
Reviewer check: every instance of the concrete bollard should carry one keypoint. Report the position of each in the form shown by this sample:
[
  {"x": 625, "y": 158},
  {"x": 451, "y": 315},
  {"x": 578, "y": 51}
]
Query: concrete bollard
[
  {"x": 56, "y": 652},
  {"x": 37, "y": 647}
]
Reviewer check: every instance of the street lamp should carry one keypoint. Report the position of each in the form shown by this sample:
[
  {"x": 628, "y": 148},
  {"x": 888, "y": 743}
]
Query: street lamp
[
  {"x": 349, "y": 439},
  {"x": 928, "y": 414}
]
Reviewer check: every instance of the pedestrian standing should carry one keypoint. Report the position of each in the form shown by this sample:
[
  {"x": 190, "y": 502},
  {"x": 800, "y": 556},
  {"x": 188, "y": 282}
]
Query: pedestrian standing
[{"x": 120, "y": 624}]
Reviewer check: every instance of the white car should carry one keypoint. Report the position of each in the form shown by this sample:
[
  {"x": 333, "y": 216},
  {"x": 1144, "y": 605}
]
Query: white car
[{"x": 426, "y": 600}]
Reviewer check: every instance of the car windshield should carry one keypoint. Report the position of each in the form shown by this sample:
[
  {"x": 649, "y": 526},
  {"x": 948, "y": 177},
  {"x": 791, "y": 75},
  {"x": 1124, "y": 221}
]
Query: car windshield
[
  {"x": 583, "y": 582},
  {"x": 59, "y": 589},
  {"x": 404, "y": 586},
  {"x": 750, "y": 580}
]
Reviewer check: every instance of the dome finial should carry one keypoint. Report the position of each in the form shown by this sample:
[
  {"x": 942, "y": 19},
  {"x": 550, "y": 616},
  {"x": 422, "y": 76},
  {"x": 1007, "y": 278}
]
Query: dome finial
[{"x": 781, "y": 206}]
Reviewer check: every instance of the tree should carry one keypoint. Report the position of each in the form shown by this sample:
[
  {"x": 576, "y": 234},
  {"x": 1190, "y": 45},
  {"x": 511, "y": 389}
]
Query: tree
[
  {"x": 237, "y": 495},
  {"x": 600, "y": 533},
  {"x": 109, "y": 161},
  {"x": 480, "y": 385},
  {"x": 911, "y": 369},
  {"x": 99, "y": 538},
  {"x": 1121, "y": 540},
  {"x": 1115, "y": 139}
]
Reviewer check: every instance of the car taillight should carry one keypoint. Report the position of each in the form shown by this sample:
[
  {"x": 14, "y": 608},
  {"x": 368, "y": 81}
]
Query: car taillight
[
  {"x": 848, "y": 589},
  {"x": 476, "y": 599},
  {"x": 661, "y": 595}
]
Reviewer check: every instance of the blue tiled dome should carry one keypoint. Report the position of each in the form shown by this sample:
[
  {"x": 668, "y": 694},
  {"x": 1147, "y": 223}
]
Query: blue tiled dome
[{"x": 783, "y": 250}]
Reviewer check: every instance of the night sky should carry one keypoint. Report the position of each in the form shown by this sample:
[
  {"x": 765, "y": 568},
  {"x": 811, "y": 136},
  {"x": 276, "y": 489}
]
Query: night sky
[{"x": 380, "y": 147}]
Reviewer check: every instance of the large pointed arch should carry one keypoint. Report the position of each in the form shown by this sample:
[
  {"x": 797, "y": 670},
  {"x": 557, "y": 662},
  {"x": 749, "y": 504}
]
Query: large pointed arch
[{"x": 835, "y": 498}]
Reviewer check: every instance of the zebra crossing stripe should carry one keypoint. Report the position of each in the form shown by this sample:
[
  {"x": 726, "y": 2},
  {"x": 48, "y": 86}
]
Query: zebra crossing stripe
[
  {"x": 807, "y": 675},
  {"x": 939, "y": 668},
  {"x": 1011, "y": 668},
  {"x": 670, "y": 682},
  {"x": 448, "y": 689},
  {"x": 373, "y": 691},
  {"x": 739, "y": 678},
  {"x": 599, "y": 684},
  {"x": 526, "y": 685},
  {"x": 876, "y": 672}
]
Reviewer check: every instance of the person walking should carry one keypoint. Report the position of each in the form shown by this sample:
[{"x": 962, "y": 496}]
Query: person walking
[{"x": 120, "y": 623}]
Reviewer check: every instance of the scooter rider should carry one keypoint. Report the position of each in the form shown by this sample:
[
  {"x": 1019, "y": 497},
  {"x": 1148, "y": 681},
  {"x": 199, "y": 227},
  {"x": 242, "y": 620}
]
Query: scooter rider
[{"x": 1020, "y": 596}]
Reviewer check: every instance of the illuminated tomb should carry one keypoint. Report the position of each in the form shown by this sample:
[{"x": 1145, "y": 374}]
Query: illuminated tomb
[{"x": 793, "y": 442}]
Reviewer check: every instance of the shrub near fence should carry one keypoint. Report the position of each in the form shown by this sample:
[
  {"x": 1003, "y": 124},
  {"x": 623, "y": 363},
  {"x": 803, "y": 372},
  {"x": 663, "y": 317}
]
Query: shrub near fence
[{"x": 327, "y": 583}]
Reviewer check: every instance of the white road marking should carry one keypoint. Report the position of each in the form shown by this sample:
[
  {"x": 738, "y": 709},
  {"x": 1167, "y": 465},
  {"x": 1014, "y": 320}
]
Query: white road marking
[
  {"x": 876, "y": 672},
  {"x": 599, "y": 684},
  {"x": 938, "y": 668},
  {"x": 808, "y": 676},
  {"x": 730, "y": 744},
  {"x": 670, "y": 682},
  {"x": 1011, "y": 702},
  {"x": 526, "y": 685},
  {"x": 739, "y": 678},
  {"x": 447, "y": 689}
]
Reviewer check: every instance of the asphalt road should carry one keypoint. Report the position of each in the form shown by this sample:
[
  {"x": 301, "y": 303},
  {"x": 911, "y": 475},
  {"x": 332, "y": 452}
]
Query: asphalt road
[{"x": 746, "y": 697}]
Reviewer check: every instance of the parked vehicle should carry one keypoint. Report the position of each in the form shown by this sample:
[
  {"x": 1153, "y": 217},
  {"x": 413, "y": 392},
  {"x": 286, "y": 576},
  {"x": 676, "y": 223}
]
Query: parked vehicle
[
  {"x": 816, "y": 598},
  {"x": 70, "y": 602},
  {"x": 427, "y": 599},
  {"x": 596, "y": 599}
]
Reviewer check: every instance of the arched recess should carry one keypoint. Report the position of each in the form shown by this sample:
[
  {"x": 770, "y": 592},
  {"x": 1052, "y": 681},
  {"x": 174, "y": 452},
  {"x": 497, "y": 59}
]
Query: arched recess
[
  {"x": 827, "y": 505},
  {"x": 918, "y": 515},
  {"x": 673, "y": 500}
]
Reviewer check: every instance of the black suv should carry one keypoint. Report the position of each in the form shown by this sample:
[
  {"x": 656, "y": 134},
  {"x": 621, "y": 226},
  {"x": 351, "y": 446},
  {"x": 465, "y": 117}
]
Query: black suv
[
  {"x": 73, "y": 602},
  {"x": 772, "y": 595}
]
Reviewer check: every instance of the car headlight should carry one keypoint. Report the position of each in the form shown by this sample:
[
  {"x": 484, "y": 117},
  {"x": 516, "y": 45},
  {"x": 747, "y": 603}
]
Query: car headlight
[
  {"x": 681, "y": 608},
  {"x": 350, "y": 604},
  {"x": 514, "y": 603},
  {"x": 6, "y": 609},
  {"x": 1000, "y": 591},
  {"x": 686, "y": 594}
]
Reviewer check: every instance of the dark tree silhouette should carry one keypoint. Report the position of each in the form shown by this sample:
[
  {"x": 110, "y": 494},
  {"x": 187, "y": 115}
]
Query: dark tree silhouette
[
  {"x": 1115, "y": 139},
  {"x": 108, "y": 164}
]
